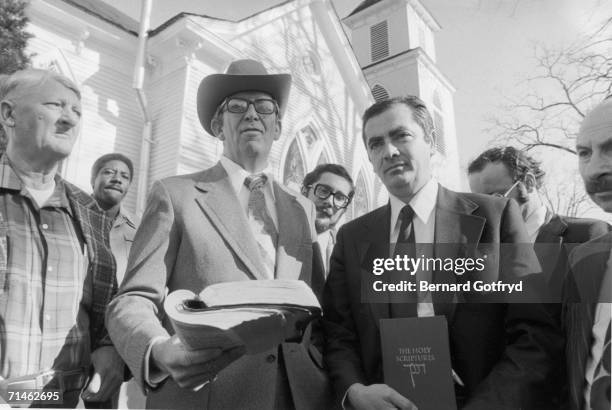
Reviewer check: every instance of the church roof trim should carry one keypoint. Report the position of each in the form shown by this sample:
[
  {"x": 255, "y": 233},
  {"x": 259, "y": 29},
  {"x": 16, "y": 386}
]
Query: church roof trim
[
  {"x": 417, "y": 4},
  {"x": 111, "y": 15},
  {"x": 106, "y": 13}
]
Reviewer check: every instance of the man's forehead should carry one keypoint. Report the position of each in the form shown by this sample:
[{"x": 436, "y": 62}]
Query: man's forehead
[
  {"x": 45, "y": 89},
  {"x": 251, "y": 94},
  {"x": 395, "y": 117},
  {"x": 335, "y": 181},
  {"x": 597, "y": 125},
  {"x": 117, "y": 163},
  {"x": 590, "y": 137}
]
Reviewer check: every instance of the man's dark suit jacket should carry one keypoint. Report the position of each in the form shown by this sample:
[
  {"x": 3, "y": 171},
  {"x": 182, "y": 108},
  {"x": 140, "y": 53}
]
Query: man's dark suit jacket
[
  {"x": 556, "y": 239},
  {"x": 502, "y": 352},
  {"x": 588, "y": 264}
]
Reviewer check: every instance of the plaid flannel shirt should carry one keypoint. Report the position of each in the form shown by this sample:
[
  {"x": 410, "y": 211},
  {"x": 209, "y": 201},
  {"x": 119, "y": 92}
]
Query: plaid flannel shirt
[{"x": 74, "y": 223}]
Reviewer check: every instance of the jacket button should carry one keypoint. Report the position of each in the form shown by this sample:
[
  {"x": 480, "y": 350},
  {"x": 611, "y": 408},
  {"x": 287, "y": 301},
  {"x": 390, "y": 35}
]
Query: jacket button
[{"x": 271, "y": 358}]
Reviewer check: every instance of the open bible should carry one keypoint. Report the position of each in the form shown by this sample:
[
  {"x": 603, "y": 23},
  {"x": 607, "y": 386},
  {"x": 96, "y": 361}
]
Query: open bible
[{"x": 257, "y": 314}]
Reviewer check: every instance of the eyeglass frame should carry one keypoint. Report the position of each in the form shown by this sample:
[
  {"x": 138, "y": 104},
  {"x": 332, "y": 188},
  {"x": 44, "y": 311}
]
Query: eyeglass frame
[
  {"x": 505, "y": 194},
  {"x": 332, "y": 193},
  {"x": 225, "y": 104}
]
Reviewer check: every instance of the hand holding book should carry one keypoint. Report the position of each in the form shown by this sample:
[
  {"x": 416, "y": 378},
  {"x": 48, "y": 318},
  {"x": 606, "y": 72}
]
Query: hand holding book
[
  {"x": 191, "y": 369},
  {"x": 376, "y": 396},
  {"x": 255, "y": 314}
]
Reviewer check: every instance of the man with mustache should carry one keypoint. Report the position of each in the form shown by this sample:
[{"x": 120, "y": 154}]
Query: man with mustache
[
  {"x": 331, "y": 189},
  {"x": 588, "y": 292},
  {"x": 502, "y": 354},
  {"x": 511, "y": 173},
  {"x": 57, "y": 273},
  {"x": 231, "y": 222}
]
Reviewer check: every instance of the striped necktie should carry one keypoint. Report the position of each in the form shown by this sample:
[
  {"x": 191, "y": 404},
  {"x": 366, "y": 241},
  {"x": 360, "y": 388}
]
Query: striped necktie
[{"x": 261, "y": 222}]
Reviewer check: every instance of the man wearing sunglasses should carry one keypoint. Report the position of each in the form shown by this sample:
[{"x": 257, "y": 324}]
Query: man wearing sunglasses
[
  {"x": 331, "y": 189},
  {"x": 231, "y": 222},
  {"x": 511, "y": 173}
]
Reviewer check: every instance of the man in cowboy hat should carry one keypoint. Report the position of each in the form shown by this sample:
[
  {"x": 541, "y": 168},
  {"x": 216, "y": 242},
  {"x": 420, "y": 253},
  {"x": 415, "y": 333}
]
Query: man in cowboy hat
[{"x": 230, "y": 222}]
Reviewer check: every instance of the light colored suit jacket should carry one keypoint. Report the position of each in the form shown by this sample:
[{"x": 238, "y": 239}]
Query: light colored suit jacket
[{"x": 194, "y": 234}]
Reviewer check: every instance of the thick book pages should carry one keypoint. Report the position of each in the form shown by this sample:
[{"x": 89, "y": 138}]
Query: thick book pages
[
  {"x": 257, "y": 314},
  {"x": 416, "y": 361}
]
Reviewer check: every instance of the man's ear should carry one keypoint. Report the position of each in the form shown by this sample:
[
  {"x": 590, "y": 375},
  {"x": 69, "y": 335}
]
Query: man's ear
[
  {"x": 432, "y": 143},
  {"x": 7, "y": 111},
  {"x": 278, "y": 127},
  {"x": 530, "y": 182},
  {"x": 217, "y": 128}
]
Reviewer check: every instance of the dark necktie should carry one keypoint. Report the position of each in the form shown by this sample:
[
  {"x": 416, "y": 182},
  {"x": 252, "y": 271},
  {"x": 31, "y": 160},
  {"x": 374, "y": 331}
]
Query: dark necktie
[
  {"x": 405, "y": 245},
  {"x": 261, "y": 222}
]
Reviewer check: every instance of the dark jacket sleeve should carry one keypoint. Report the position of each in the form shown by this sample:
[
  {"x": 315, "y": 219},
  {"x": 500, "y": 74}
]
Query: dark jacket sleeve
[
  {"x": 342, "y": 345},
  {"x": 524, "y": 376}
]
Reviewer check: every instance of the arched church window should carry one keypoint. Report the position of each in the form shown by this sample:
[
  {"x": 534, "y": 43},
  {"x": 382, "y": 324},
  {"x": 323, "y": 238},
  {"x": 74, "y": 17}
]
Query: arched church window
[
  {"x": 294, "y": 171},
  {"x": 379, "y": 93},
  {"x": 323, "y": 158},
  {"x": 360, "y": 200}
]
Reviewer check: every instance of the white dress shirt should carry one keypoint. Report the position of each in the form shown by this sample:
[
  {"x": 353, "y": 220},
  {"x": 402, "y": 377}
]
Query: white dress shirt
[
  {"x": 424, "y": 222},
  {"x": 325, "y": 239}
]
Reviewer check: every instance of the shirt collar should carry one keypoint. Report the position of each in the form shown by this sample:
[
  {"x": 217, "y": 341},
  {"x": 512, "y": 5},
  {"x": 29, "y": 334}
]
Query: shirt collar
[
  {"x": 237, "y": 174},
  {"x": 8, "y": 176},
  {"x": 423, "y": 202},
  {"x": 124, "y": 217},
  {"x": 10, "y": 180}
]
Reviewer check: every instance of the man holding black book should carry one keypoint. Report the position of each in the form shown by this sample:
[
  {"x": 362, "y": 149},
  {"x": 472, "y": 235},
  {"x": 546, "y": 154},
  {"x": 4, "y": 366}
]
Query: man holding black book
[
  {"x": 502, "y": 354},
  {"x": 231, "y": 222}
]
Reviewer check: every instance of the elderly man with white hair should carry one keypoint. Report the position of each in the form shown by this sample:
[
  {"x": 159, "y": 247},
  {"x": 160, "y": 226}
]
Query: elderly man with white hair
[{"x": 57, "y": 273}]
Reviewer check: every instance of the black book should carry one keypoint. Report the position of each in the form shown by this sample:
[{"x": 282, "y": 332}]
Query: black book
[{"x": 416, "y": 361}]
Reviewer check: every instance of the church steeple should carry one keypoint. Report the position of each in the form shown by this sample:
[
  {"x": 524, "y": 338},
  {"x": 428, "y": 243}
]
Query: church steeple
[
  {"x": 385, "y": 28},
  {"x": 393, "y": 41}
]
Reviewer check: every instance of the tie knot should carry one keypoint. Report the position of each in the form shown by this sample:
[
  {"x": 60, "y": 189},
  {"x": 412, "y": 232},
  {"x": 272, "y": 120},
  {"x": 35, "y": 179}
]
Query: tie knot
[
  {"x": 255, "y": 181},
  {"x": 407, "y": 213}
]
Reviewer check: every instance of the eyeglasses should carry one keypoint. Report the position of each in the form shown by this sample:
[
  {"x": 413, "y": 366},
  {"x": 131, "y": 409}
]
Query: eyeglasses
[
  {"x": 505, "y": 194},
  {"x": 240, "y": 105},
  {"x": 323, "y": 191}
]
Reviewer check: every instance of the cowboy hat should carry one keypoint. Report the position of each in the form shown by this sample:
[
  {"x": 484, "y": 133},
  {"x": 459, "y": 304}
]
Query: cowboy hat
[{"x": 241, "y": 75}]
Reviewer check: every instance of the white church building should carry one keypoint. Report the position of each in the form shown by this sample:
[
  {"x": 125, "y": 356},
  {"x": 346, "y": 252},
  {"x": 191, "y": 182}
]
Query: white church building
[{"x": 339, "y": 67}]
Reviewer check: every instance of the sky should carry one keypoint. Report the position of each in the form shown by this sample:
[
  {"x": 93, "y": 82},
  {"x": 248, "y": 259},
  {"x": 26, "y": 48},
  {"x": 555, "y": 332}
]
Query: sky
[{"x": 485, "y": 47}]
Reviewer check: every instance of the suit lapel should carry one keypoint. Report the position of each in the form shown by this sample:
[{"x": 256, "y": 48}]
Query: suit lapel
[
  {"x": 219, "y": 202},
  {"x": 457, "y": 234},
  {"x": 377, "y": 229},
  {"x": 292, "y": 222}
]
